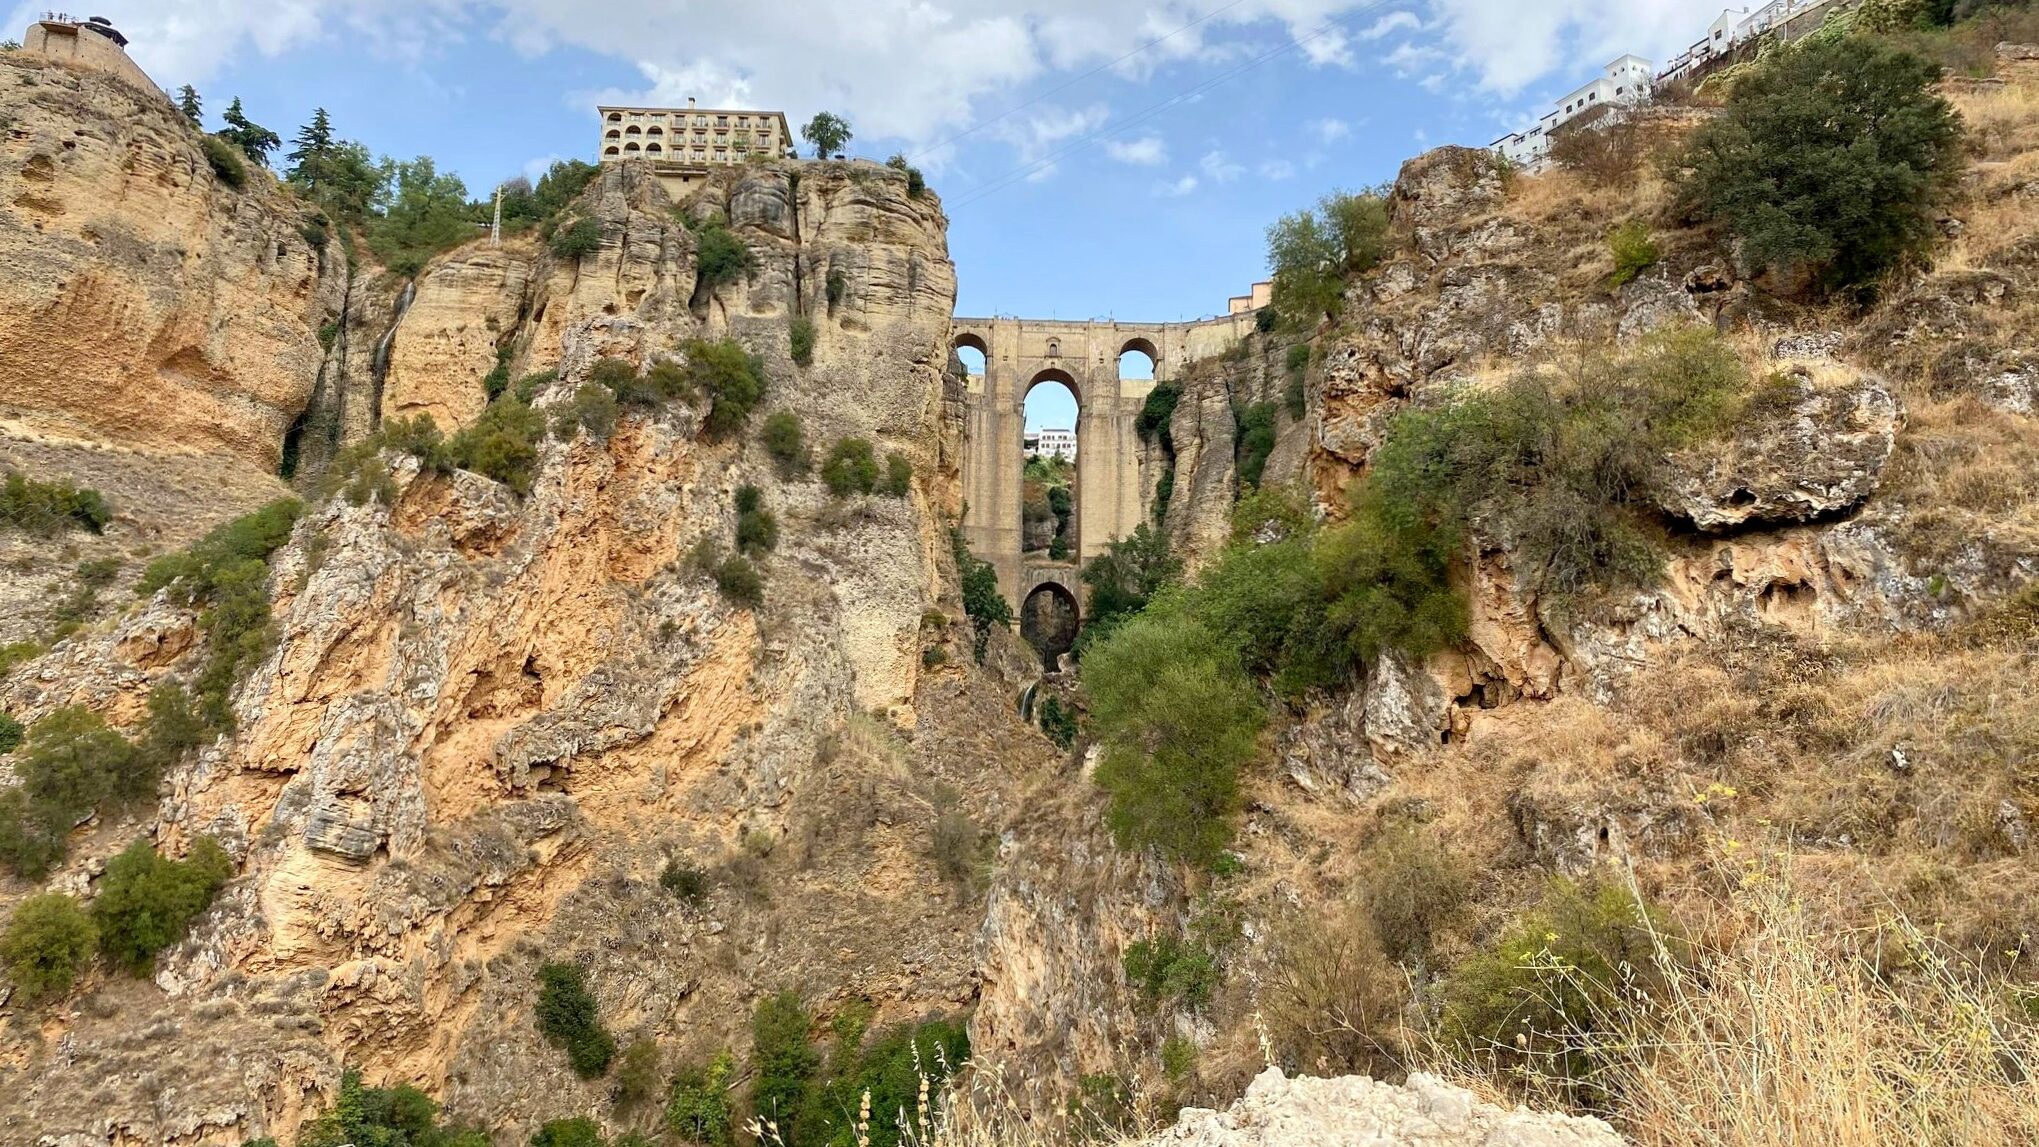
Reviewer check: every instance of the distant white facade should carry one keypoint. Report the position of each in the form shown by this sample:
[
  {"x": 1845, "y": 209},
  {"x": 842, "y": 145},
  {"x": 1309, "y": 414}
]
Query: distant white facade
[
  {"x": 1737, "y": 26},
  {"x": 1052, "y": 442},
  {"x": 1624, "y": 82}
]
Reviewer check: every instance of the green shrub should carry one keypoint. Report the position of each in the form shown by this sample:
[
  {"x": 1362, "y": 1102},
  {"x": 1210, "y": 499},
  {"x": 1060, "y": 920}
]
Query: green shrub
[
  {"x": 740, "y": 582},
  {"x": 638, "y": 1079},
  {"x": 591, "y": 409},
  {"x": 173, "y": 728},
  {"x": 890, "y": 1069},
  {"x": 329, "y": 333},
  {"x": 146, "y": 902},
  {"x": 1256, "y": 442},
  {"x": 579, "y": 1131},
  {"x": 1058, "y": 721},
  {"x": 1633, "y": 250},
  {"x": 400, "y": 1116},
  {"x": 227, "y": 572},
  {"x": 731, "y": 377},
  {"x": 1178, "y": 719},
  {"x": 1165, "y": 968},
  {"x": 10, "y": 733},
  {"x": 46, "y": 509},
  {"x": 783, "y": 1058},
  {"x": 683, "y": 880},
  {"x": 720, "y": 257},
  {"x": 1178, "y": 1058},
  {"x": 48, "y": 942},
  {"x": 898, "y": 481},
  {"x": 1123, "y": 578},
  {"x": 851, "y": 468},
  {"x": 785, "y": 441},
  {"x": 1266, "y": 603},
  {"x": 529, "y": 386},
  {"x": 16, "y": 653},
  {"x": 578, "y": 239},
  {"x": 422, "y": 211},
  {"x": 757, "y": 529},
  {"x": 1295, "y": 395},
  {"x": 73, "y": 763},
  {"x": 982, "y": 601},
  {"x": 357, "y": 474},
  {"x": 501, "y": 444},
  {"x": 1314, "y": 251},
  {"x": 497, "y": 380},
  {"x": 1158, "y": 411},
  {"x": 699, "y": 1110},
  {"x": 568, "y": 1019},
  {"x": 225, "y": 160},
  {"x": 916, "y": 183},
  {"x": 1583, "y": 964},
  {"x": 801, "y": 336},
  {"x": 1833, "y": 158},
  {"x": 957, "y": 844},
  {"x": 1298, "y": 358}
]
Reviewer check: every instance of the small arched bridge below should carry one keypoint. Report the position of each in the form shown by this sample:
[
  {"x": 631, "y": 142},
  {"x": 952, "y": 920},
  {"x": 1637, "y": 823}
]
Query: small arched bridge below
[{"x": 1109, "y": 497}]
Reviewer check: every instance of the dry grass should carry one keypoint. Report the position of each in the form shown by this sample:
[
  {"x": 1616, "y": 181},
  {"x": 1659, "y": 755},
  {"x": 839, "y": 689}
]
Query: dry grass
[{"x": 1786, "y": 1034}]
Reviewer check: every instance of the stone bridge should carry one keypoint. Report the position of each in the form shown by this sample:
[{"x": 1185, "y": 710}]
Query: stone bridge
[{"x": 1110, "y": 502}]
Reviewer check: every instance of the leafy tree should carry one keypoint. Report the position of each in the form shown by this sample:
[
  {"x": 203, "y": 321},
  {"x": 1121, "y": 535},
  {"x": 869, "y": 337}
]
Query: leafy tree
[
  {"x": 74, "y": 761},
  {"x": 851, "y": 468},
  {"x": 828, "y": 132},
  {"x": 699, "y": 1110},
  {"x": 146, "y": 902},
  {"x": 189, "y": 104},
  {"x": 422, "y": 212},
  {"x": 254, "y": 140},
  {"x": 46, "y": 509},
  {"x": 1314, "y": 251},
  {"x": 568, "y": 1018},
  {"x": 719, "y": 256},
  {"x": 400, "y": 1116},
  {"x": 1831, "y": 159},
  {"x": 800, "y": 337},
  {"x": 783, "y": 1055},
  {"x": 1123, "y": 578},
  {"x": 890, "y": 1069},
  {"x": 1178, "y": 719},
  {"x": 48, "y": 942}
]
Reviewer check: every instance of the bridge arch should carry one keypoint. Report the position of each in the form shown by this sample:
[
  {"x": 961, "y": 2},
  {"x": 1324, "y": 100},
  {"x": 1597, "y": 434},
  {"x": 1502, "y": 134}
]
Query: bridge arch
[
  {"x": 1112, "y": 494},
  {"x": 1050, "y": 615}
]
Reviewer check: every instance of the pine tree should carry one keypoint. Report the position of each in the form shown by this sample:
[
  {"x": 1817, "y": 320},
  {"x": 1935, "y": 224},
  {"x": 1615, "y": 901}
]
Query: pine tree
[
  {"x": 187, "y": 102},
  {"x": 252, "y": 138},
  {"x": 312, "y": 152}
]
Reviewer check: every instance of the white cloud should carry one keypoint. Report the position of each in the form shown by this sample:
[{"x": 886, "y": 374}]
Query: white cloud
[
  {"x": 1392, "y": 22},
  {"x": 1147, "y": 151},
  {"x": 1510, "y": 44},
  {"x": 1176, "y": 189},
  {"x": 1275, "y": 170},
  {"x": 1219, "y": 168},
  {"x": 1331, "y": 130}
]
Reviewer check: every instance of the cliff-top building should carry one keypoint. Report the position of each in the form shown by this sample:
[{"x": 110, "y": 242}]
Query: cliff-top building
[
  {"x": 1626, "y": 81},
  {"x": 682, "y": 144},
  {"x": 92, "y": 43}
]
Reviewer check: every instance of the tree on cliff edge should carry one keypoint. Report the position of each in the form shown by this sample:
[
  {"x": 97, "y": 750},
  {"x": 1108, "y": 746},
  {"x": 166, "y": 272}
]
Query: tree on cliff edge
[
  {"x": 254, "y": 140},
  {"x": 828, "y": 132},
  {"x": 187, "y": 102}
]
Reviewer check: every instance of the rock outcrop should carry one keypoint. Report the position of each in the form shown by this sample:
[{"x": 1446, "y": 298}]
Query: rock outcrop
[
  {"x": 1354, "y": 1111},
  {"x": 144, "y": 303}
]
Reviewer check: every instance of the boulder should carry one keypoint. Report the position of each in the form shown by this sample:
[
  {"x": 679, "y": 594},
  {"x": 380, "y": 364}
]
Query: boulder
[
  {"x": 1802, "y": 452},
  {"x": 1353, "y": 1110}
]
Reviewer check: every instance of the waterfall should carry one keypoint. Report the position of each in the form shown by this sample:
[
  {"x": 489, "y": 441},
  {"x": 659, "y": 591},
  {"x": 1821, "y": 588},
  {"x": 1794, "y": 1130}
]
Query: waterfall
[{"x": 378, "y": 365}]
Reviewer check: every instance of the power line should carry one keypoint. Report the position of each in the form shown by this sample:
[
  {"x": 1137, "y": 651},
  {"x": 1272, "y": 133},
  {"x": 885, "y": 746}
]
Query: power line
[
  {"x": 1063, "y": 87},
  {"x": 1017, "y": 174}
]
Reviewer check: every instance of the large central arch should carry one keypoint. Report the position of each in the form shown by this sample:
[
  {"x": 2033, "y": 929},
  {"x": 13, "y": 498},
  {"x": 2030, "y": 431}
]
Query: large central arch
[{"x": 1110, "y": 502}]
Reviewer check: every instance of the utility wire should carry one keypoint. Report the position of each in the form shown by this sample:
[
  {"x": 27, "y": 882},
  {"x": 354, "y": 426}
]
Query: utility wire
[
  {"x": 1063, "y": 87},
  {"x": 1017, "y": 174}
]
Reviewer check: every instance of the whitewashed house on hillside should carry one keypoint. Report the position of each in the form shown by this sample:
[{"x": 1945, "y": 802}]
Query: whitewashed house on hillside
[{"x": 1624, "y": 82}]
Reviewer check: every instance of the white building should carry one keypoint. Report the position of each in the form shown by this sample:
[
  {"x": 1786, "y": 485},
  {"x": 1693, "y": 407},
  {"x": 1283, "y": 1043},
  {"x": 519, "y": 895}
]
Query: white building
[
  {"x": 1624, "y": 82},
  {"x": 1052, "y": 442}
]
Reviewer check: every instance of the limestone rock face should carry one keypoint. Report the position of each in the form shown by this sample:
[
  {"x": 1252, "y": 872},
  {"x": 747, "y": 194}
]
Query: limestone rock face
[
  {"x": 1808, "y": 452},
  {"x": 1354, "y": 1111},
  {"x": 143, "y": 303},
  {"x": 464, "y": 308}
]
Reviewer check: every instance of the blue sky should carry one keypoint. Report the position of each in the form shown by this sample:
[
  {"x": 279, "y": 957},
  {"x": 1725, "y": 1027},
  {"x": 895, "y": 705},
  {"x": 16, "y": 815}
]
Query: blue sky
[{"x": 1097, "y": 157}]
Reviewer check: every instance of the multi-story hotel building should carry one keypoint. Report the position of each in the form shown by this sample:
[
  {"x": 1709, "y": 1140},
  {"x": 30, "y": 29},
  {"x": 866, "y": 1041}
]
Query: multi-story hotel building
[{"x": 681, "y": 144}]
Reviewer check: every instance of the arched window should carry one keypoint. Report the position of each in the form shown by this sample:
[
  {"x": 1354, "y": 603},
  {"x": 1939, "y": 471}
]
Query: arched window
[
  {"x": 612, "y": 150},
  {"x": 630, "y": 149},
  {"x": 652, "y": 149},
  {"x": 654, "y": 131},
  {"x": 615, "y": 117},
  {"x": 1054, "y": 348},
  {"x": 614, "y": 134},
  {"x": 633, "y": 129}
]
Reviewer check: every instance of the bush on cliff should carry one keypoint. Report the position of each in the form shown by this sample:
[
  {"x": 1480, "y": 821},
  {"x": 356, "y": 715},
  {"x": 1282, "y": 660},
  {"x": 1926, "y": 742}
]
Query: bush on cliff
[
  {"x": 699, "y": 1110},
  {"x": 731, "y": 377},
  {"x": 502, "y": 443},
  {"x": 1832, "y": 159},
  {"x": 48, "y": 943},
  {"x": 46, "y": 509},
  {"x": 227, "y": 572},
  {"x": 786, "y": 442},
  {"x": 851, "y": 468},
  {"x": 578, "y": 239},
  {"x": 146, "y": 902},
  {"x": 569, "y": 1020},
  {"x": 400, "y": 1116},
  {"x": 1314, "y": 251},
  {"x": 800, "y": 338},
  {"x": 783, "y": 1057}
]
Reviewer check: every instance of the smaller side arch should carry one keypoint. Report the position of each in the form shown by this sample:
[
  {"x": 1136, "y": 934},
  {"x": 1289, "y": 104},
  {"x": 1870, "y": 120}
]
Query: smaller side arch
[{"x": 1050, "y": 616}]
